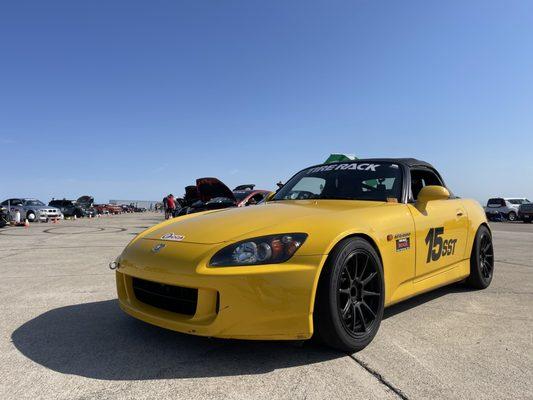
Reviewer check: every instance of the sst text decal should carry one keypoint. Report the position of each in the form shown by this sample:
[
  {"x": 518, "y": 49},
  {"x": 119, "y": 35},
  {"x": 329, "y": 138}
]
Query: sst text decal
[{"x": 437, "y": 247}]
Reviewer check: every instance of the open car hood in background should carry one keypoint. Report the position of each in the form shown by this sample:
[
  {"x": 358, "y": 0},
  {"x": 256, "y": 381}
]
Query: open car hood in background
[
  {"x": 209, "y": 188},
  {"x": 248, "y": 186},
  {"x": 85, "y": 200},
  {"x": 191, "y": 194}
]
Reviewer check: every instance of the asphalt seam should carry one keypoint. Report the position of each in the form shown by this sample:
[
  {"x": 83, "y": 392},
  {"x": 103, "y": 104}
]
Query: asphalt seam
[
  {"x": 57, "y": 276},
  {"x": 51, "y": 247},
  {"x": 380, "y": 378},
  {"x": 512, "y": 263}
]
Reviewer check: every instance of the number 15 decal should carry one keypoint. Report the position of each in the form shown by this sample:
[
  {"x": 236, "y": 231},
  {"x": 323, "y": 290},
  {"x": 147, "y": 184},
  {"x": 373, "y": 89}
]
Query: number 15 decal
[{"x": 438, "y": 247}]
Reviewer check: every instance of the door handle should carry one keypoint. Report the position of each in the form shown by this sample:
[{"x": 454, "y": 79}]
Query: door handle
[{"x": 460, "y": 213}]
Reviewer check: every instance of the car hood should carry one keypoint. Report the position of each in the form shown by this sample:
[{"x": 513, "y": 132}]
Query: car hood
[
  {"x": 85, "y": 201},
  {"x": 209, "y": 188},
  {"x": 236, "y": 223}
]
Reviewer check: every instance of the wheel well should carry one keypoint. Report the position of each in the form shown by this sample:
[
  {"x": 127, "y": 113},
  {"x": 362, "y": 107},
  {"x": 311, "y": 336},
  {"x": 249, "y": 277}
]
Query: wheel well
[{"x": 359, "y": 235}]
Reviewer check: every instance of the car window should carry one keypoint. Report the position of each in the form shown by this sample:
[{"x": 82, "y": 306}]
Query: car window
[
  {"x": 345, "y": 181},
  {"x": 496, "y": 203},
  {"x": 256, "y": 198},
  {"x": 421, "y": 178},
  {"x": 34, "y": 203},
  {"x": 311, "y": 184},
  {"x": 517, "y": 201}
]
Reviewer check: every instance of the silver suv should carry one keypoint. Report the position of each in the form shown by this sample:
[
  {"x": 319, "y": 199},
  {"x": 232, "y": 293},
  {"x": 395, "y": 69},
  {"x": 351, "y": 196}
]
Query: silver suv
[
  {"x": 32, "y": 209},
  {"x": 499, "y": 207}
]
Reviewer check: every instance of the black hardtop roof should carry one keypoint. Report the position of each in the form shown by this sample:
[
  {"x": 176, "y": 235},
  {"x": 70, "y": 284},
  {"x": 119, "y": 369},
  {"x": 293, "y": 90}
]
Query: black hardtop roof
[{"x": 408, "y": 162}]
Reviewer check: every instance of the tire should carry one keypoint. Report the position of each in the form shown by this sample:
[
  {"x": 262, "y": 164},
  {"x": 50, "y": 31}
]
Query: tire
[
  {"x": 31, "y": 216},
  {"x": 350, "y": 296},
  {"x": 511, "y": 216},
  {"x": 481, "y": 260}
]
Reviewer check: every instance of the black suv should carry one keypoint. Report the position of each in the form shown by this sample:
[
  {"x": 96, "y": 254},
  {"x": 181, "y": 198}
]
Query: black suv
[
  {"x": 69, "y": 208},
  {"x": 525, "y": 212}
]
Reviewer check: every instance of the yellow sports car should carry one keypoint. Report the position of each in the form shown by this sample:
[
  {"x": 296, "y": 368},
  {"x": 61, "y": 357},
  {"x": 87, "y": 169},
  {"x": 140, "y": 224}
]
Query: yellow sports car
[{"x": 323, "y": 257}]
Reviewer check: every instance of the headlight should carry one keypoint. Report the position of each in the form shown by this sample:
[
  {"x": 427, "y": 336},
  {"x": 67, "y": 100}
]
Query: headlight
[{"x": 272, "y": 249}]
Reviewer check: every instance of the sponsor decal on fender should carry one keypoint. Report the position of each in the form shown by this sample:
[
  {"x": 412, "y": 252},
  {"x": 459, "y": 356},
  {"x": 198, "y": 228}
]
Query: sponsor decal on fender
[{"x": 403, "y": 241}]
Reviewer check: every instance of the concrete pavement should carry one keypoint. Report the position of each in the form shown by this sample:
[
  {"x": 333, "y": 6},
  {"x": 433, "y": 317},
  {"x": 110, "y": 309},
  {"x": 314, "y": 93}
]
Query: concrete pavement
[{"x": 63, "y": 336}]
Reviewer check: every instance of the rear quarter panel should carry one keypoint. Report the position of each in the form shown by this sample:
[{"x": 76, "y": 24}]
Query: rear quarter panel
[{"x": 476, "y": 218}]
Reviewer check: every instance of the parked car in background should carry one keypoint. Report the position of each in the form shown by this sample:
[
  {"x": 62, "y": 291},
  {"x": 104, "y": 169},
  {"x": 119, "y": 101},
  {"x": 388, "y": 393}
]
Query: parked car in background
[
  {"x": 498, "y": 207},
  {"x": 108, "y": 209},
  {"x": 4, "y": 216},
  {"x": 87, "y": 204},
  {"x": 69, "y": 208},
  {"x": 212, "y": 194},
  {"x": 101, "y": 209},
  {"x": 114, "y": 208},
  {"x": 126, "y": 208},
  {"x": 525, "y": 212},
  {"x": 208, "y": 194},
  {"x": 32, "y": 209},
  {"x": 249, "y": 197}
]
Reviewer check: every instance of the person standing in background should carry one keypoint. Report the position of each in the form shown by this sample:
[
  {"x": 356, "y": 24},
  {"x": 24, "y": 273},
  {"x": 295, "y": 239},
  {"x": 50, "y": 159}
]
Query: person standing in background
[
  {"x": 165, "y": 206},
  {"x": 171, "y": 206}
]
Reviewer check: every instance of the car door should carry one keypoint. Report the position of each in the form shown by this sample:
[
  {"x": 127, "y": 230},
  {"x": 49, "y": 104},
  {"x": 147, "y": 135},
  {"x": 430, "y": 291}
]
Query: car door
[
  {"x": 16, "y": 204},
  {"x": 441, "y": 227}
]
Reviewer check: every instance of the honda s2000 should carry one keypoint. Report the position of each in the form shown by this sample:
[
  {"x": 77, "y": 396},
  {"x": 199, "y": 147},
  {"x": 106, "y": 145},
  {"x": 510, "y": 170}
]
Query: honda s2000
[{"x": 323, "y": 257}]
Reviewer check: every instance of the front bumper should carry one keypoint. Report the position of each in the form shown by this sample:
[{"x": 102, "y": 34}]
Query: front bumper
[
  {"x": 255, "y": 302},
  {"x": 44, "y": 216}
]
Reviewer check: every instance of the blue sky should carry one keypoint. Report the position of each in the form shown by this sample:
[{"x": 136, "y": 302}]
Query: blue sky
[{"x": 125, "y": 99}]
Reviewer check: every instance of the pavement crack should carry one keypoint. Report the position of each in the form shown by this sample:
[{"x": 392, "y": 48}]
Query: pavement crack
[
  {"x": 512, "y": 263},
  {"x": 380, "y": 378}
]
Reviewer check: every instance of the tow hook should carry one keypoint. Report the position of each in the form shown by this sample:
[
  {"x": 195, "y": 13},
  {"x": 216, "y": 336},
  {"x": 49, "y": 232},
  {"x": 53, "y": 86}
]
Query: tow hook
[{"x": 114, "y": 265}]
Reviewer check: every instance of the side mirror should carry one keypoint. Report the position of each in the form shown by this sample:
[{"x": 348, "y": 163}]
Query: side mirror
[{"x": 432, "y": 192}]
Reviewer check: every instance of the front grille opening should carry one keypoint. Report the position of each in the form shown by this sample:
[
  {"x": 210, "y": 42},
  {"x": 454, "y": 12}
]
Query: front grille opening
[{"x": 177, "y": 299}]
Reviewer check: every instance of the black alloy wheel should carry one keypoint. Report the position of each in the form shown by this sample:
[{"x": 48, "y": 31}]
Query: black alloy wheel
[
  {"x": 486, "y": 256},
  {"x": 359, "y": 291},
  {"x": 481, "y": 260},
  {"x": 350, "y": 296}
]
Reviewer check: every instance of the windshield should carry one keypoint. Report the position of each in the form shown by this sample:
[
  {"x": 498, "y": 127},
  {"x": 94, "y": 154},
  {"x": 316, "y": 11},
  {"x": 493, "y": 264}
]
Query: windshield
[
  {"x": 241, "y": 195},
  {"x": 34, "y": 203},
  {"x": 350, "y": 181},
  {"x": 518, "y": 201}
]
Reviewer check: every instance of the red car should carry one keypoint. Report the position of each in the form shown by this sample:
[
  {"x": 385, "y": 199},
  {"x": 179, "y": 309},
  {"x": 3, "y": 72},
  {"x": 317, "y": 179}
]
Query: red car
[
  {"x": 108, "y": 209},
  {"x": 249, "y": 197},
  {"x": 211, "y": 194}
]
